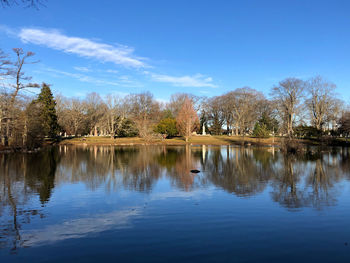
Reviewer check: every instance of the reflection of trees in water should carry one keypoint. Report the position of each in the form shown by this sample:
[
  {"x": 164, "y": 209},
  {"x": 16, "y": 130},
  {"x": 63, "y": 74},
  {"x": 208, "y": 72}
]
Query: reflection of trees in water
[
  {"x": 40, "y": 172},
  {"x": 306, "y": 180},
  {"x": 92, "y": 165},
  {"x": 237, "y": 170},
  {"x": 187, "y": 159},
  {"x": 344, "y": 164},
  {"x": 322, "y": 179},
  {"x": 21, "y": 177},
  {"x": 135, "y": 168},
  {"x": 285, "y": 179},
  {"x": 297, "y": 181},
  {"x": 143, "y": 171}
]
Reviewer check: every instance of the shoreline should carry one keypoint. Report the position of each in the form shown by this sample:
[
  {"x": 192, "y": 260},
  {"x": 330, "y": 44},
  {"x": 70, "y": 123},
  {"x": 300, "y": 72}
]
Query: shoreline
[
  {"x": 177, "y": 141},
  {"x": 200, "y": 140},
  {"x": 215, "y": 140}
]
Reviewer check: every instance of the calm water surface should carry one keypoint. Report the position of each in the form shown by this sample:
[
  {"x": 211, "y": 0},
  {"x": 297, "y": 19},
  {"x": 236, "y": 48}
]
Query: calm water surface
[{"x": 142, "y": 204}]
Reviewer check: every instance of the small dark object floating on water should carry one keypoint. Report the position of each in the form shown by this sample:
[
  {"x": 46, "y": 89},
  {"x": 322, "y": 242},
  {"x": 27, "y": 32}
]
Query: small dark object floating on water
[{"x": 195, "y": 171}]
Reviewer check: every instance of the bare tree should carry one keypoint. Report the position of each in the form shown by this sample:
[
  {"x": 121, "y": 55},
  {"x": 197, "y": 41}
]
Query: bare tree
[
  {"x": 344, "y": 123},
  {"x": 227, "y": 111},
  {"x": 335, "y": 112},
  {"x": 243, "y": 104},
  {"x": 321, "y": 100},
  {"x": 21, "y": 82},
  {"x": 288, "y": 94},
  {"x": 177, "y": 100},
  {"x": 144, "y": 110},
  {"x": 95, "y": 108},
  {"x": 187, "y": 119},
  {"x": 76, "y": 116},
  {"x": 115, "y": 113},
  {"x": 71, "y": 114},
  {"x": 4, "y": 96},
  {"x": 4, "y": 64},
  {"x": 215, "y": 113}
]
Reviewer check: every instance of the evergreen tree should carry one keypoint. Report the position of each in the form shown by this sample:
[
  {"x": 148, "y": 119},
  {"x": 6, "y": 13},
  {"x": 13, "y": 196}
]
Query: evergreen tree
[
  {"x": 48, "y": 111},
  {"x": 271, "y": 124},
  {"x": 260, "y": 130},
  {"x": 167, "y": 127}
]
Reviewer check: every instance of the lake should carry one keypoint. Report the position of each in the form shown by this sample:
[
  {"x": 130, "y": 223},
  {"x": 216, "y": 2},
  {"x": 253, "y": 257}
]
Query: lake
[{"x": 142, "y": 204}]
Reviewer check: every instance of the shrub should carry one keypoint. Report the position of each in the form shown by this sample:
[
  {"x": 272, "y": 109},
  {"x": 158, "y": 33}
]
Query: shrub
[
  {"x": 127, "y": 129},
  {"x": 307, "y": 131},
  {"x": 167, "y": 127}
]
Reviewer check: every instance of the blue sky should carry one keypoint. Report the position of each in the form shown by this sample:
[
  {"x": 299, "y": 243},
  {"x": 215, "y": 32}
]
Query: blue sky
[{"x": 203, "y": 47}]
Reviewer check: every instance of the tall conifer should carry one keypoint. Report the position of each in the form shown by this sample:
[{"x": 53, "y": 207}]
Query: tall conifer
[{"x": 48, "y": 111}]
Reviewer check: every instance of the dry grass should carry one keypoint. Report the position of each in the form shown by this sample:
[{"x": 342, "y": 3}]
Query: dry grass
[
  {"x": 201, "y": 140},
  {"x": 195, "y": 140}
]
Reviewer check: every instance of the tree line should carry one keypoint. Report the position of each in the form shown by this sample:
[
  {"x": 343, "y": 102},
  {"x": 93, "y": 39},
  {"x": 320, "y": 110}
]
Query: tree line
[{"x": 295, "y": 107}]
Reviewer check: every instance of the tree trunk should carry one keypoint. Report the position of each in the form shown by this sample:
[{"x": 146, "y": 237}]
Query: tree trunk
[
  {"x": 6, "y": 137},
  {"x": 25, "y": 132},
  {"x": 290, "y": 125}
]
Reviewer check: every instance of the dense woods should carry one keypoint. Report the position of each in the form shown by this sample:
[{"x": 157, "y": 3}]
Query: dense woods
[{"x": 295, "y": 107}]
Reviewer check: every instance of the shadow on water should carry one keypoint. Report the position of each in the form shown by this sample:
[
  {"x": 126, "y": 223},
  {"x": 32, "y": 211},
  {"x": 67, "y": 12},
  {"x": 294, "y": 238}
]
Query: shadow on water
[{"x": 293, "y": 181}]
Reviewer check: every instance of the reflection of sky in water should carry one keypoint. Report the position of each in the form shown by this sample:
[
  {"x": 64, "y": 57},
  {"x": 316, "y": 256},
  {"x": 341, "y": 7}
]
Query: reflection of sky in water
[
  {"x": 78, "y": 228},
  {"x": 77, "y": 195},
  {"x": 99, "y": 222},
  {"x": 90, "y": 206}
]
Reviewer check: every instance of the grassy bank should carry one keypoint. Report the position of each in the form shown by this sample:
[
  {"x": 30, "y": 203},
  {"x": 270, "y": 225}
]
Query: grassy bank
[{"x": 197, "y": 140}]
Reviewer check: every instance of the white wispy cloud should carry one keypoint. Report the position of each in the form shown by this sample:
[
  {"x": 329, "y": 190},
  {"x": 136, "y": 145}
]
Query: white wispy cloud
[
  {"x": 82, "y": 77},
  {"x": 118, "y": 54},
  {"x": 112, "y": 71},
  {"x": 197, "y": 80},
  {"x": 121, "y": 82},
  {"x": 7, "y": 30},
  {"x": 82, "y": 69}
]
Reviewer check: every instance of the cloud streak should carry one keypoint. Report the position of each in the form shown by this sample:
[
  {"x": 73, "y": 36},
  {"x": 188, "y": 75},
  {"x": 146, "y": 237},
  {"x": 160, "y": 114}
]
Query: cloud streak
[
  {"x": 122, "y": 81},
  {"x": 197, "y": 80},
  {"x": 120, "y": 55},
  {"x": 82, "y": 69}
]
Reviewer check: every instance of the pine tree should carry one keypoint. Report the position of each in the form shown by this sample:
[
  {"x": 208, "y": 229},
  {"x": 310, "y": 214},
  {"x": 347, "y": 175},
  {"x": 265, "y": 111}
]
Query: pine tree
[
  {"x": 48, "y": 111},
  {"x": 260, "y": 130}
]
